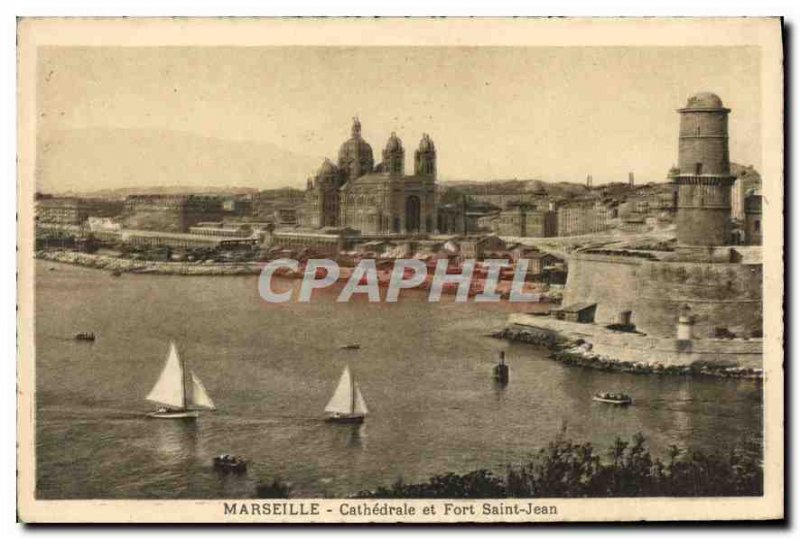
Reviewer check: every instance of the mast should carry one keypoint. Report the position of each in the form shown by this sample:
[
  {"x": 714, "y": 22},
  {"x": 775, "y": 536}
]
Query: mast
[
  {"x": 352, "y": 394},
  {"x": 183, "y": 379}
]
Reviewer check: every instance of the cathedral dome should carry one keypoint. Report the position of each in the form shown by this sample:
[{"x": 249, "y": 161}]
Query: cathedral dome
[
  {"x": 355, "y": 148},
  {"x": 394, "y": 144},
  {"x": 704, "y": 100}
]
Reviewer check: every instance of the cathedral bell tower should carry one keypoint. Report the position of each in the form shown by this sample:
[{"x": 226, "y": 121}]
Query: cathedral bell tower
[
  {"x": 394, "y": 156},
  {"x": 704, "y": 178},
  {"x": 425, "y": 158}
]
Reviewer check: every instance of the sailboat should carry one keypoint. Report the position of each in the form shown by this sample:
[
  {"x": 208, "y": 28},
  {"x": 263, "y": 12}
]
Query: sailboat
[
  {"x": 347, "y": 404},
  {"x": 179, "y": 390}
]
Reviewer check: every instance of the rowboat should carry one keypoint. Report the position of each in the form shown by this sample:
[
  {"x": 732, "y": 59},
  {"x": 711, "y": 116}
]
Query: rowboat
[{"x": 613, "y": 398}]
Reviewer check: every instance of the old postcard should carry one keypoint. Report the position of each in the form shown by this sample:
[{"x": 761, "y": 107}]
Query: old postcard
[{"x": 400, "y": 270}]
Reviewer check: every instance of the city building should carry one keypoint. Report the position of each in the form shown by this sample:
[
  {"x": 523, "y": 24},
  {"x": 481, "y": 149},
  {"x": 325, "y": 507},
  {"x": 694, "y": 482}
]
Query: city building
[
  {"x": 747, "y": 180},
  {"x": 451, "y": 219},
  {"x": 537, "y": 260},
  {"x": 222, "y": 230},
  {"x": 278, "y": 205},
  {"x": 182, "y": 241},
  {"x": 523, "y": 221},
  {"x": 327, "y": 241},
  {"x": 170, "y": 213},
  {"x": 581, "y": 216},
  {"x": 752, "y": 213},
  {"x": 718, "y": 287},
  {"x": 73, "y": 210},
  {"x": 374, "y": 199},
  {"x": 476, "y": 247}
]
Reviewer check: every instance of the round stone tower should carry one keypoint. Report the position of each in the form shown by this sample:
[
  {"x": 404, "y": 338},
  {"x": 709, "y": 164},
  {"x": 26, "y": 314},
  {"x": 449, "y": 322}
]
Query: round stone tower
[{"x": 704, "y": 178}]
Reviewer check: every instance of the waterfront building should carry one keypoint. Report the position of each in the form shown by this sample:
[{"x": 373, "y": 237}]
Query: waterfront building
[
  {"x": 326, "y": 241},
  {"x": 102, "y": 224},
  {"x": 73, "y": 210},
  {"x": 374, "y": 199},
  {"x": 171, "y": 213},
  {"x": 222, "y": 230},
  {"x": 182, "y": 241}
]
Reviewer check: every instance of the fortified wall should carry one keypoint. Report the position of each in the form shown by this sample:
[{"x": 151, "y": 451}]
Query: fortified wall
[
  {"x": 723, "y": 298},
  {"x": 701, "y": 303}
]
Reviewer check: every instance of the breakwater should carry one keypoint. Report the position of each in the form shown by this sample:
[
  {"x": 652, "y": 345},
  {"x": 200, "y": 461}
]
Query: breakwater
[
  {"x": 126, "y": 265},
  {"x": 579, "y": 353}
]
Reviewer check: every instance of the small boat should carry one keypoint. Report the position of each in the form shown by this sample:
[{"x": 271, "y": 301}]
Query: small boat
[
  {"x": 613, "y": 398},
  {"x": 179, "y": 391},
  {"x": 351, "y": 346},
  {"x": 84, "y": 336},
  {"x": 347, "y": 404},
  {"x": 500, "y": 371},
  {"x": 230, "y": 463}
]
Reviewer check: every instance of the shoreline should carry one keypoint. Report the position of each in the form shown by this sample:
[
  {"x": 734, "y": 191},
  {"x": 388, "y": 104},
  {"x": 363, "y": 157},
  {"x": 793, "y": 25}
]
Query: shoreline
[
  {"x": 113, "y": 264},
  {"x": 577, "y": 354},
  {"x": 124, "y": 265}
]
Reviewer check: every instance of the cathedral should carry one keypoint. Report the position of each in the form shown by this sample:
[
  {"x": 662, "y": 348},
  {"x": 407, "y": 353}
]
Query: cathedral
[{"x": 375, "y": 199}]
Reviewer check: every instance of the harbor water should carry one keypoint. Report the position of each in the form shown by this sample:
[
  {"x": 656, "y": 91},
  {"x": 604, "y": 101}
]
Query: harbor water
[{"x": 425, "y": 370}]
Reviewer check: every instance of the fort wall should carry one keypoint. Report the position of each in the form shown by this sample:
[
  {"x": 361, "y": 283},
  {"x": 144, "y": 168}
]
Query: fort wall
[
  {"x": 719, "y": 295},
  {"x": 646, "y": 349}
]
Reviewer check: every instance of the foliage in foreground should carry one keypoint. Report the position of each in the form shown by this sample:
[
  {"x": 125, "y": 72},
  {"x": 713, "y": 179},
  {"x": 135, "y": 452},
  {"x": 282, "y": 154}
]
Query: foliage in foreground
[
  {"x": 568, "y": 470},
  {"x": 275, "y": 489}
]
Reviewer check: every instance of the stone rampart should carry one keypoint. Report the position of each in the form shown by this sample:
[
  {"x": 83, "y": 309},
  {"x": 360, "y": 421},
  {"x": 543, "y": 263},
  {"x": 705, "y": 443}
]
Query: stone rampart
[
  {"x": 639, "y": 348},
  {"x": 721, "y": 296}
]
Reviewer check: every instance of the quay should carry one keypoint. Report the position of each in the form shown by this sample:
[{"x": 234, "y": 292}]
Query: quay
[{"x": 596, "y": 346}]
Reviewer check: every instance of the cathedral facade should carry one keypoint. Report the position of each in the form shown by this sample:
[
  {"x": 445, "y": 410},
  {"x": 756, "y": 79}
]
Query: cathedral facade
[{"x": 375, "y": 199}]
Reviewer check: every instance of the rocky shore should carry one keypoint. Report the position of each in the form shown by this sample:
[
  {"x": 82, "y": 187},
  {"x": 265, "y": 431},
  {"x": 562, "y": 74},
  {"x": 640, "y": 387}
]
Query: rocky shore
[
  {"x": 579, "y": 354},
  {"x": 125, "y": 265}
]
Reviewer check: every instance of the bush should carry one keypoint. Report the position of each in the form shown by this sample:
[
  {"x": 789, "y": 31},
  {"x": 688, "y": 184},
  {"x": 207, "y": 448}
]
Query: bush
[
  {"x": 567, "y": 470},
  {"x": 275, "y": 489}
]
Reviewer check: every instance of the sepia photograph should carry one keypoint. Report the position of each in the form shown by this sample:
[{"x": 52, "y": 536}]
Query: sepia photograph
[{"x": 400, "y": 270}]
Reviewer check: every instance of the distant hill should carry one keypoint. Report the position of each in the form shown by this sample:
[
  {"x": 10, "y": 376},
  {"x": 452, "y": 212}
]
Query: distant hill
[
  {"x": 122, "y": 192},
  {"x": 501, "y": 187},
  {"x": 116, "y": 160}
]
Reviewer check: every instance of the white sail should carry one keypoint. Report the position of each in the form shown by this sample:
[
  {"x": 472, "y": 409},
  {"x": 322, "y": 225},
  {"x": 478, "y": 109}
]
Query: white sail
[
  {"x": 199, "y": 396},
  {"x": 342, "y": 400},
  {"x": 361, "y": 406},
  {"x": 169, "y": 388}
]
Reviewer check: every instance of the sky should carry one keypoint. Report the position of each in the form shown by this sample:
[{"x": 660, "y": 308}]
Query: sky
[{"x": 556, "y": 114}]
